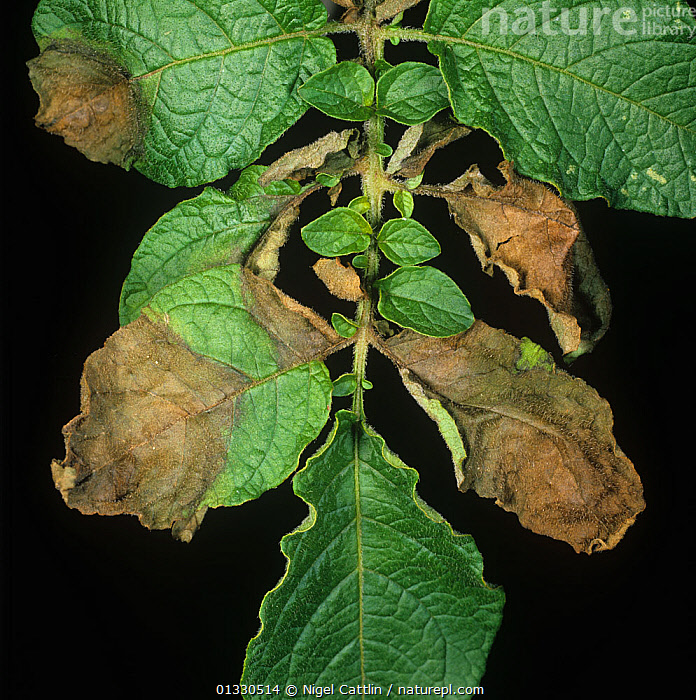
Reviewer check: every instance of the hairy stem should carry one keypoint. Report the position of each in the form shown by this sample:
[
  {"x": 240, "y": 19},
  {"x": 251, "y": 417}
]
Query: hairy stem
[{"x": 373, "y": 187}]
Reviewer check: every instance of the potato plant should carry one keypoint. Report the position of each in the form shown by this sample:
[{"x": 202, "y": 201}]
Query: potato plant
[{"x": 216, "y": 382}]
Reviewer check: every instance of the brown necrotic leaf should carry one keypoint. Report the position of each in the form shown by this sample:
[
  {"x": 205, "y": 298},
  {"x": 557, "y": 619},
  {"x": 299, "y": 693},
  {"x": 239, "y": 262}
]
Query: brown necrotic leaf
[
  {"x": 537, "y": 440},
  {"x": 197, "y": 404},
  {"x": 329, "y": 154},
  {"x": 535, "y": 238},
  {"x": 89, "y": 100},
  {"x": 341, "y": 280},
  {"x": 418, "y": 144},
  {"x": 390, "y": 8}
]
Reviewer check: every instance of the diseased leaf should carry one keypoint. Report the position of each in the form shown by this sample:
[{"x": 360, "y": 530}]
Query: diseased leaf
[
  {"x": 341, "y": 280},
  {"x": 535, "y": 238},
  {"x": 538, "y": 440},
  {"x": 207, "y": 399},
  {"x": 210, "y": 230},
  {"x": 378, "y": 589},
  {"x": 344, "y": 91},
  {"x": 411, "y": 93},
  {"x": 389, "y": 8},
  {"x": 328, "y": 154},
  {"x": 578, "y": 94},
  {"x": 338, "y": 232},
  {"x": 419, "y": 143},
  {"x": 89, "y": 100},
  {"x": 406, "y": 242},
  {"x": 218, "y": 79},
  {"x": 424, "y": 299}
]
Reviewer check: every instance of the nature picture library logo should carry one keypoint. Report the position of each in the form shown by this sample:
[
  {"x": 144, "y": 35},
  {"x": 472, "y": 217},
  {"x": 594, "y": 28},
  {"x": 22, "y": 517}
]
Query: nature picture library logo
[{"x": 543, "y": 18}]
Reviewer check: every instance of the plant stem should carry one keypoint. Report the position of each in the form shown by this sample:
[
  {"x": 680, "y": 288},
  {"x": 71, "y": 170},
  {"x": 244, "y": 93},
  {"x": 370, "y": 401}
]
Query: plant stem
[{"x": 373, "y": 187}]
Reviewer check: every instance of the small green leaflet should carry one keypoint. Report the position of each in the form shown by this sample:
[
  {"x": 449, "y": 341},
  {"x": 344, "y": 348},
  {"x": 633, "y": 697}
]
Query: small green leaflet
[
  {"x": 343, "y": 326},
  {"x": 403, "y": 202},
  {"x": 345, "y": 91},
  {"x": 424, "y": 299},
  {"x": 378, "y": 589},
  {"x": 406, "y": 242},
  {"x": 411, "y": 93},
  {"x": 338, "y": 232},
  {"x": 592, "y": 100},
  {"x": 218, "y": 80},
  {"x": 346, "y": 385}
]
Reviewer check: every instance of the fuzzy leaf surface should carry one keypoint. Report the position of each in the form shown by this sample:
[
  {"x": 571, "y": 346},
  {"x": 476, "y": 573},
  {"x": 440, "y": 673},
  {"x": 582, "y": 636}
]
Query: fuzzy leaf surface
[
  {"x": 607, "y": 112},
  {"x": 536, "y": 439},
  {"x": 535, "y": 238},
  {"x": 424, "y": 299},
  {"x": 411, "y": 93},
  {"x": 207, "y": 399},
  {"x": 217, "y": 81},
  {"x": 344, "y": 91},
  {"x": 378, "y": 588},
  {"x": 406, "y": 242}
]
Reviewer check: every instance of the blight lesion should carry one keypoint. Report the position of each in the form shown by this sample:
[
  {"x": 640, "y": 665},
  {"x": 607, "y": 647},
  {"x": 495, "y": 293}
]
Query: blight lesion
[{"x": 90, "y": 100}]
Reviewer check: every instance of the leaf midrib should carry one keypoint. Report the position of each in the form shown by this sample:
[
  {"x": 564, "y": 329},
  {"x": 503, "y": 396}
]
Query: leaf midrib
[
  {"x": 420, "y": 35},
  {"x": 305, "y": 34}
]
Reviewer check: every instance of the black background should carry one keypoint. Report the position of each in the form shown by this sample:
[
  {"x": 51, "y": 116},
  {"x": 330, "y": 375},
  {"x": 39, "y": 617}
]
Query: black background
[{"x": 100, "y": 607}]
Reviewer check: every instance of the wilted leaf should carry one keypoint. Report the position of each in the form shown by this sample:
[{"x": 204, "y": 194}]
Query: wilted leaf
[
  {"x": 389, "y": 8},
  {"x": 419, "y": 143},
  {"x": 535, "y": 238},
  {"x": 207, "y": 399},
  {"x": 341, "y": 280},
  {"x": 328, "y": 154},
  {"x": 538, "y": 440},
  {"x": 89, "y": 100},
  {"x": 378, "y": 588}
]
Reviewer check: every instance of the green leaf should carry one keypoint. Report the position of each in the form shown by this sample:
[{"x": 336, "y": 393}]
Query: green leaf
[
  {"x": 379, "y": 589},
  {"x": 328, "y": 180},
  {"x": 344, "y": 91},
  {"x": 608, "y": 113},
  {"x": 217, "y": 81},
  {"x": 343, "y": 326},
  {"x": 206, "y": 399},
  {"x": 338, "y": 232},
  {"x": 360, "y": 204},
  {"x": 206, "y": 231},
  {"x": 360, "y": 262},
  {"x": 345, "y": 385},
  {"x": 425, "y": 300},
  {"x": 411, "y": 93},
  {"x": 406, "y": 242},
  {"x": 403, "y": 201}
]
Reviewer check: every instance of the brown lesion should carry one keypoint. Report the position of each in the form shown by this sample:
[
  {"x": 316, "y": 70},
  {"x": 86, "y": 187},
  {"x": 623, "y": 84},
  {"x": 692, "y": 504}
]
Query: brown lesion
[
  {"x": 539, "y": 442},
  {"x": 535, "y": 238},
  {"x": 89, "y": 100}
]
